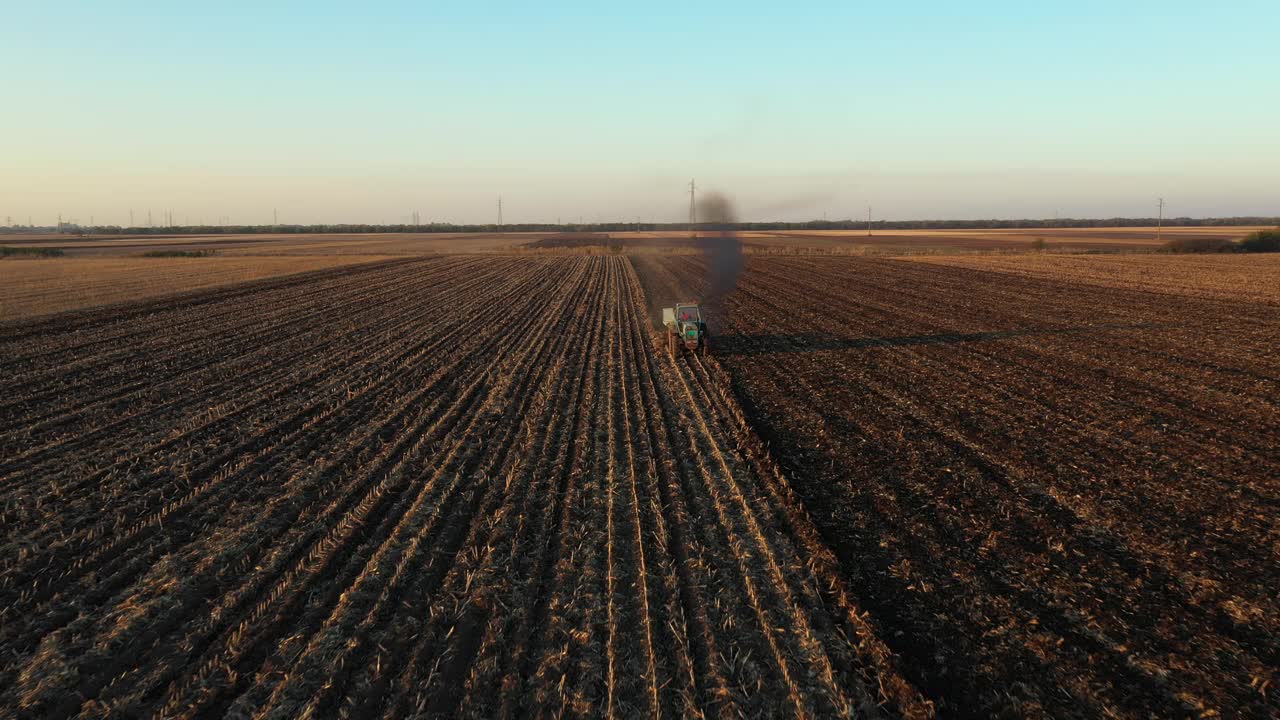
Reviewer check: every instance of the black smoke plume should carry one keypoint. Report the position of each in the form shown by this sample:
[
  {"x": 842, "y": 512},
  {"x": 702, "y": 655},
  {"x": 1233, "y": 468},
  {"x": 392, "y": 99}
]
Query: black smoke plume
[{"x": 722, "y": 248}]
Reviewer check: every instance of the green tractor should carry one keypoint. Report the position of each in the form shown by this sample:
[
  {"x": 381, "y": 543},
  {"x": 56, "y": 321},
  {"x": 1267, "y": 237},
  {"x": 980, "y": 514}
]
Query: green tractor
[{"x": 685, "y": 327}]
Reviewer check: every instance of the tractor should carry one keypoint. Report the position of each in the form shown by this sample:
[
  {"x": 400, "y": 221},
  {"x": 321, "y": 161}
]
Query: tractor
[{"x": 685, "y": 327}]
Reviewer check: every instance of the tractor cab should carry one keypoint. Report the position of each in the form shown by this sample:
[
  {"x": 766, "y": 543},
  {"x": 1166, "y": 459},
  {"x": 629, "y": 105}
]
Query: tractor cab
[{"x": 685, "y": 327}]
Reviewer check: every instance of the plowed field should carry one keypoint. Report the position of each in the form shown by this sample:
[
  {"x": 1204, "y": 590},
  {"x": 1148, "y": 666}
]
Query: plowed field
[
  {"x": 1053, "y": 498},
  {"x": 449, "y": 486},
  {"x": 30, "y": 287}
]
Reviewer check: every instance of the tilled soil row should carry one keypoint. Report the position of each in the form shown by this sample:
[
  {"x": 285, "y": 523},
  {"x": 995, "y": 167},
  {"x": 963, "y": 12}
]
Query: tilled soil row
[
  {"x": 1048, "y": 499},
  {"x": 445, "y": 486}
]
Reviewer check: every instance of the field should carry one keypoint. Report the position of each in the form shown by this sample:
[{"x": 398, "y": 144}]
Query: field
[
  {"x": 277, "y": 244},
  {"x": 32, "y": 287},
  {"x": 477, "y": 485},
  {"x": 1054, "y": 493},
  {"x": 447, "y": 485},
  {"x": 947, "y": 242},
  {"x": 912, "y": 242},
  {"x": 848, "y": 242},
  {"x": 1238, "y": 278}
]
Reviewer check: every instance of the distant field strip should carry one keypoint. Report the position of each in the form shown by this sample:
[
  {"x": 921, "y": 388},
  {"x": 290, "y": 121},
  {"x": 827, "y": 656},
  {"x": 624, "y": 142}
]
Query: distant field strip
[
  {"x": 1251, "y": 278},
  {"x": 31, "y": 287}
]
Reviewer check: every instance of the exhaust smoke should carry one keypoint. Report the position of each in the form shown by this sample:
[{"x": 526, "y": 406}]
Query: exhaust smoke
[{"x": 722, "y": 249}]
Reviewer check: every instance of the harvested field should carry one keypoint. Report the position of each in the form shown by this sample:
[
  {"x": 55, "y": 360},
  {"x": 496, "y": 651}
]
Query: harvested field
[
  {"x": 451, "y": 486},
  {"x": 631, "y": 242},
  {"x": 32, "y": 287},
  {"x": 1243, "y": 278},
  {"x": 279, "y": 244},
  {"x": 764, "y": 242},
  {"x": 890, "y": 243},
  {"x": 1055, "y": 495},
  {"x": 999, "y": 240}
]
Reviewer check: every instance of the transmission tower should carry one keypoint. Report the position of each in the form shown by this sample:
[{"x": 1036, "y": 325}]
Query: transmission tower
[
  {"x": 868, "y": 221},
  {"x": 1159, "y": 218},
  {"x": 499, "y": 211},
  {"x": 693, "y": 213}
]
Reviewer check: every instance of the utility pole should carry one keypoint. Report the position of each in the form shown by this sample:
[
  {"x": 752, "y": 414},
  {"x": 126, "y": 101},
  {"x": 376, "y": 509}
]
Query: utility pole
[
  {"x": 693, "y": 214},
  {"x": 499, "y": 211},
  {"x": 130, "y": 217},
  {"x": 149, "y": 219},
  {"x": 275, "y": 216},
  {"x": 59, "y": 221},
  {"x": 868, "y": 221},
  {"x": 1160, "y": 219}
]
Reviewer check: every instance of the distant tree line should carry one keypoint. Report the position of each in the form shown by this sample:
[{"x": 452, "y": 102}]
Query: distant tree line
[
  {"x": 625, "y": 226},
  {"x": 1262, "y": 241}
]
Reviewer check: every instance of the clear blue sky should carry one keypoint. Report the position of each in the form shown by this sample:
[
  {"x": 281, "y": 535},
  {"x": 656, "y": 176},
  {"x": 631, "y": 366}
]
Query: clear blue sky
[{"x": 368, "y": 111}]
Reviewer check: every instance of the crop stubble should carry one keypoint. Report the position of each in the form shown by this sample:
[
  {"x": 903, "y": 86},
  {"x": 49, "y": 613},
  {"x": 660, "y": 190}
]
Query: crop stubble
[
  {"x": 446, "y": 485},
  {"x": 33, "y": 287},
  {"x": 1052, "y": 498}
]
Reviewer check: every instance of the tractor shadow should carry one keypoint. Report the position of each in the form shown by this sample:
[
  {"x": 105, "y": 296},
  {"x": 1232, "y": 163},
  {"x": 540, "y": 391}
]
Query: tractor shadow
[{"x": 770, "y": 344}]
